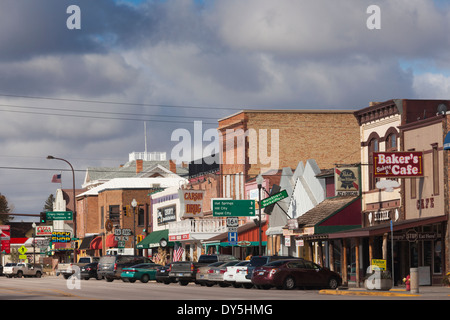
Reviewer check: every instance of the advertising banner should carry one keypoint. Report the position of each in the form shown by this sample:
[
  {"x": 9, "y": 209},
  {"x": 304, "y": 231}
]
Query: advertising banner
[
  {"x": 191, "y": 203},
  {"x": 408, "y": 164}
]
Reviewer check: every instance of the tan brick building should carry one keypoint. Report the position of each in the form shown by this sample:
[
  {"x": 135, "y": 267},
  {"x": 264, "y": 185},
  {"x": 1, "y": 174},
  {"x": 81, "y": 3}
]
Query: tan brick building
[{"x": 255, "y": 141}]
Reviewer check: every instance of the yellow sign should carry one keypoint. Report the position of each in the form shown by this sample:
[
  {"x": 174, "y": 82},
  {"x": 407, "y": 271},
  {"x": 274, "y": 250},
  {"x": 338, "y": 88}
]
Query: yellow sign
[
  {"x": 380, "y": 263},
  {"x": 22, "y": 250}
]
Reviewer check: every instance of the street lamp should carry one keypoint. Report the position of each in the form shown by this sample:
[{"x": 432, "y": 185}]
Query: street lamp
[
  {"x": 74, "y": 204},
  {"x": 259, "y": 181},
  {"x": 134, "y": 204}
]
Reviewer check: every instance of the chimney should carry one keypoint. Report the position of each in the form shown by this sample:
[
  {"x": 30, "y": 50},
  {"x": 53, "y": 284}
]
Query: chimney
[
  {"x": 139, "y": 165},
  {"x": 172, "y": 166}
]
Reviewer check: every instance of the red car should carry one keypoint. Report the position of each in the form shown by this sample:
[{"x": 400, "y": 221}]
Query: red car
[{"x": 291, "y": 273}]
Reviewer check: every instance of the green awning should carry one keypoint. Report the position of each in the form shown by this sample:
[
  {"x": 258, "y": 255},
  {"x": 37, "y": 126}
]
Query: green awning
[{"x": 153, "y": 240}]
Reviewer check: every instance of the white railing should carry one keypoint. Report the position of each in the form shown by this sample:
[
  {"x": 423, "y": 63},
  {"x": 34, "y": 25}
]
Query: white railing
[{"x": 200, "y": 226}]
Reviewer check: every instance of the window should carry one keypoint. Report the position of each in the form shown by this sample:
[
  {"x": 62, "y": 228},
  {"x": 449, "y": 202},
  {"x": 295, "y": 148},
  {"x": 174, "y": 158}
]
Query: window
[
  {"x": 435, "y": 169},
  {"x": 114, "y": 213},
  {"x": 391, "y": 142},
  {"x": 413, "y": 183},
  {"x": 140, "y": 214},
  {"x": 102, "y": 217},
  {"x": 372, "y": 147}
]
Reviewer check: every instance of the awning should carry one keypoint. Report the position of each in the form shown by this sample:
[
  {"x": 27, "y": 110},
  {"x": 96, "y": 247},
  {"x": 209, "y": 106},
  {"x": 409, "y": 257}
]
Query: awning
[
  {"x": 385, "y": 228},
  {"x": 110, "y": 241},
  {"x": 85, "y": 244},
  {"x": 96, "y": 243},
  {"x": 447, "y": 141},
  {"x": 153, "y": 240}
]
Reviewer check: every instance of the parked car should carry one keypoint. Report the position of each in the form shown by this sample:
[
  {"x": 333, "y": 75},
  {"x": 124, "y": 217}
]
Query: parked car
[
  {"x": 258, "y": 261},
  {"x": 110, "y": 267},
  {"x": 202, "y": 274},
  {"x": 288, "y": 274},
  {"x": 215, "y": 274},
  {"x": 67, "y": 269},
  {"x": 21, "y": 269},
  {"x": 143, "y": 272},
  {"x": 162, "y": 275},
  {"x": 186, "y": 271},
  {"x": 229, "y": 277},
  {"x": 90, "y": 271},
  {"x": 241, "y": 277}
]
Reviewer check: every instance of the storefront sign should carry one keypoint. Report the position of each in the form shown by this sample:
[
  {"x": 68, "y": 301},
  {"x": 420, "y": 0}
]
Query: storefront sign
[
  {"x": 44, "y": 230},
  {"x": 167, "y": 214},
  {"x": 381, "y": 216},
  {"x": 346, "y": 181},
  {"x": 61, "y": 237},
  {"x": 179, "y": 237},
  {"x": 191, "y": 203},
  {"x": 380, "y": 263},
  {"x": 398, "y": 164},
  {"x": 425, "y": 203},
  {"x": 412, "y": 235}
]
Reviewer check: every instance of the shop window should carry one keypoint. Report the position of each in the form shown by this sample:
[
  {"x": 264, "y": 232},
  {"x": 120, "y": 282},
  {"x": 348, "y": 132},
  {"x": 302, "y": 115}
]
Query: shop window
[
  {"x": 373, "y": 147},
  {"x": 413, "y": 184},
  {"x": 435, "y": 169}
]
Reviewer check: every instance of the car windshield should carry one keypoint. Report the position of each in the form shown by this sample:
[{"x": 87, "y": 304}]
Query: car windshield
[
  {"x": 142, "y": 265},
  {"x": 216, "y": 264},
  {"x": 242, "y": 263},
  {"x": 10, "y": 264},
  {"x": 258, "y": 261},
  {"x": 207, "y": 259},
  {"x": 276, "y": 263}
]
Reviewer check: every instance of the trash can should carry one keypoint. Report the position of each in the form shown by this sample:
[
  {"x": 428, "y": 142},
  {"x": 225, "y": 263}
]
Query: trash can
[{"x": 414, "y": 280}]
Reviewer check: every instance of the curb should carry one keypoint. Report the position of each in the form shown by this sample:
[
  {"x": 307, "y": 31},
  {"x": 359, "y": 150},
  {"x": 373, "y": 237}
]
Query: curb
[{"x": 367, "y": 293}]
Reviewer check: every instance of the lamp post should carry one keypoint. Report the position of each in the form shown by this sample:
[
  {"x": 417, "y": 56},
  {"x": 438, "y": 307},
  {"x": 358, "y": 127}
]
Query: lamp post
[
  {"x": 74, "y": 204},
  {"x": 34, "y": 243},
  {"x": 134, "y": 204},
  {"x": 259, "y": 181}
]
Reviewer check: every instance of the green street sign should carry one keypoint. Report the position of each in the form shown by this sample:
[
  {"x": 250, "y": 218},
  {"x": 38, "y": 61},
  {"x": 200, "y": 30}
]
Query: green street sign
[
  {"x": 233, "y": 208},
  {"x": 274, "y": 198},
  {"x": 59, "y": 215}
]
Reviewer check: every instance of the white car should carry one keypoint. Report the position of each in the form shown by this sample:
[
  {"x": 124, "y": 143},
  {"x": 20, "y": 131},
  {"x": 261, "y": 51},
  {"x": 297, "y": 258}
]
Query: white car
[{"x": 239, "y": 273}]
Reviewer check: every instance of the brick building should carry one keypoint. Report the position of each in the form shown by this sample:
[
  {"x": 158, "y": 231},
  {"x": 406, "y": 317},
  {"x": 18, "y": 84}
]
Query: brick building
[{"x": 258, "y": 141}]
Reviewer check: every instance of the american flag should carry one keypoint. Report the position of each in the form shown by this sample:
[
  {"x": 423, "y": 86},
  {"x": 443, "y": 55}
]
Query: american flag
[
  {"x": 56, "y": 178},
  {"x": 178, "y": 252}
]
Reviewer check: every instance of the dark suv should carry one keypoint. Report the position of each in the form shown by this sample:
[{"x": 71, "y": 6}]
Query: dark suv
[
  {"x": 110, "y": 267},
  {"x": 258, "y": 261}
]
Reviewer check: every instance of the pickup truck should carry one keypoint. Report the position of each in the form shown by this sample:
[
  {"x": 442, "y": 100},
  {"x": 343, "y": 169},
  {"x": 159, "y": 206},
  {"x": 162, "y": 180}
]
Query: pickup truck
[
  {"x": 67, "y": 269},
  {"x": 184, "y": 272},
  {"x": 21, "y": 269}
]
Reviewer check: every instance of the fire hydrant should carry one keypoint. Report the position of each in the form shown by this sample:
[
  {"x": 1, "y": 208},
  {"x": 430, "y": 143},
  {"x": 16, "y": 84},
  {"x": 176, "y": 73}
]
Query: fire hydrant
[{"x": 407, "y": 282}]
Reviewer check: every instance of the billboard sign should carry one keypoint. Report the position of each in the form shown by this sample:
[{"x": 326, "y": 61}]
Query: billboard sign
[
  {"x": 407, "y": 164},
  {"x": 191, "y": 203},
  {"x": 346, "y": 181}
]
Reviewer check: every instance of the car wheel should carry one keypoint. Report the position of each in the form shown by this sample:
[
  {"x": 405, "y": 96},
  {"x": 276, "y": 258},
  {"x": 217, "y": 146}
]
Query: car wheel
[
  {"x": 248, "y": 285},
  {"x": 333, "y": 283},
  {"x": 184, "y": 283},
  {"x": 145, "y": 278},
  {"x": 38, "y": 274},
  {"x": 109, "y": 279},
  {"x": 289, "y": 283},
  {"x": 19, "y": 274}
]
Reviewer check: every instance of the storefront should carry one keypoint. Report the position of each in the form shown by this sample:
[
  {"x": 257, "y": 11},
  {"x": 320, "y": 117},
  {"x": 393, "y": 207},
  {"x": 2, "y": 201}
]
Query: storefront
[
  {"x": 247, "y": 243},
  {"x": 160, "y": 249}
]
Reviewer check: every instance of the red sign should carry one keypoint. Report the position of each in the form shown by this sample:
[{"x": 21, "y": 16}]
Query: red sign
[
  {"x": 5, "y": 239},
  {"x": 398, "y": 164}
]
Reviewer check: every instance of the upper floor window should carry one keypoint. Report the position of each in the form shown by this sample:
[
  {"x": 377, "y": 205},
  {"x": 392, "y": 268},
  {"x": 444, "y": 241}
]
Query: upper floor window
[{"x": 391, "y": 142}]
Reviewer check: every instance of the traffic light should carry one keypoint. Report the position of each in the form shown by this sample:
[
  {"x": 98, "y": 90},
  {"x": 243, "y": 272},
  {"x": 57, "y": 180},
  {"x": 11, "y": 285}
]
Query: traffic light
[
  {"x": 43, "y": 217},
  {"x": 125, "y": 209}
]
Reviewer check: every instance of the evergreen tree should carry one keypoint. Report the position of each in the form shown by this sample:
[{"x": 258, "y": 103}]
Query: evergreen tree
[
  {"x": 4, "y": 208},
  {"x": 49, "y": 203}
]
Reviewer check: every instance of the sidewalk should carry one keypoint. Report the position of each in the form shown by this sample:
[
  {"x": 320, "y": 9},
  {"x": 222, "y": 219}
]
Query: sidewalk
[{"x": 439, "y": 292}]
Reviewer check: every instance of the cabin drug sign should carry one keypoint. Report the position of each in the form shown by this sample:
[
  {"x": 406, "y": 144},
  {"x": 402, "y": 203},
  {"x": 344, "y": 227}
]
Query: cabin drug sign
[{"x": 408, "y": 164}]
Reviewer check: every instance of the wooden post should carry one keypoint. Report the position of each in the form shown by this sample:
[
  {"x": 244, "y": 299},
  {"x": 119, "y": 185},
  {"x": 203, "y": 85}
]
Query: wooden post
[
  {"x": 330, "y": 254},
  {"x": 319, "y": 243},
  {"x": 357, "y": 261},
  {"x": 385, "y": 248},
  {"x": 344, "y": 262}
]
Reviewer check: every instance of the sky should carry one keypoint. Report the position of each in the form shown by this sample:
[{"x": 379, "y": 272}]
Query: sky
[{"x": 84, "y": 94}]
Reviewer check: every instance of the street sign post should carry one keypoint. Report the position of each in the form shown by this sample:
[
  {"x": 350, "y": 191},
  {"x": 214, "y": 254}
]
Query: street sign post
[
  {"x": 274, "y": 198},
  {"x": 233, "y": 208},
  {"x": 59, "y": 215}
]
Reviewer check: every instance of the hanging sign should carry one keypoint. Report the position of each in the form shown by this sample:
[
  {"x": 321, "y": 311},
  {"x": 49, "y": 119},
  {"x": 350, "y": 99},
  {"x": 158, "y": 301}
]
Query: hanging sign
[{"x": 398, "y": 164}]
